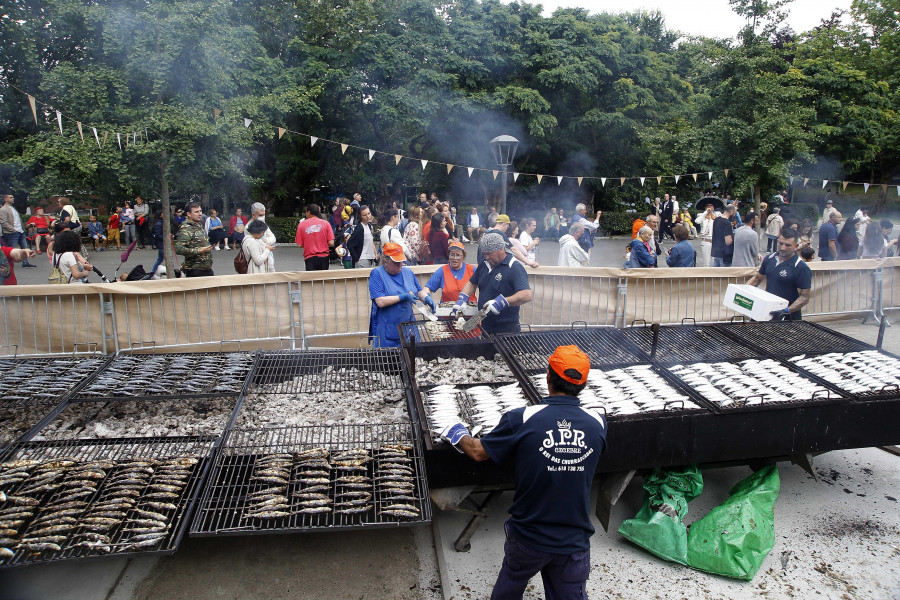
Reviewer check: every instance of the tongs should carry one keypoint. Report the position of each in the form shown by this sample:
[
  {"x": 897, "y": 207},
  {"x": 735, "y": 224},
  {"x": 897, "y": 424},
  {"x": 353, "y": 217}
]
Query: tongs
[{"x": 425, "y": 310}]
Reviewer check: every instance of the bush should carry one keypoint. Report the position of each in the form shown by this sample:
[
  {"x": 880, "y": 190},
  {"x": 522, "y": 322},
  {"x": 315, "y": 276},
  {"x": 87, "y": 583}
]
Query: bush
[
  {"x": 617, "y": 223},
  {"x": 800, "y": 211},
  {"x": 284, "y": 228}
]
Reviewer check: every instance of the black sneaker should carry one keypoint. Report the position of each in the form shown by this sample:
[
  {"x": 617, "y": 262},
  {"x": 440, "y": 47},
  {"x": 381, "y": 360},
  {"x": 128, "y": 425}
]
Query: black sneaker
[{"x": 28, "y": 265}]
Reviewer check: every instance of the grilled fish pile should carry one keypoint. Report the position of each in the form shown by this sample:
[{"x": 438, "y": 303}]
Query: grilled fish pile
[
  {"x": 442, "y": 404},
  {"x": 462, "y": 370},
  {"x": 165, "y": 375},
  {"x": 628, "y": 391},
  {"x": 44, "y": 379},
  {"x": 100, "y": 506},
  {"x": 854, "y": 372},
  {"x": 479, "y": 407},
  {"x": 748, "y": 383}
]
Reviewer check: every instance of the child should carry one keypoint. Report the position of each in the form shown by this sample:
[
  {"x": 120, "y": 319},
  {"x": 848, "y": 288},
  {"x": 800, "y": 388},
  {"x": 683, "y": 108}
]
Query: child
[
  {"x": 807, "y": 253},
  {"x": 95, "y": 230},
  {"x": 627, "y": 263},
  {"x": 112, "y": 228}
]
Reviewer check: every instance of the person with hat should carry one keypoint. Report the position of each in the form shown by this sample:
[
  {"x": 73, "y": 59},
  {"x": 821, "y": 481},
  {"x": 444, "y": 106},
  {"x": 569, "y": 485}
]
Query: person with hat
[
  {"x": 501, "y": 226},
  {"x": 502, "y": 280},
  {"x": 554, "y": 448},
  {"x": 452, "y": 277},
  {"x": 829, "y": 208},
  {"x": 393, "y": 288}
]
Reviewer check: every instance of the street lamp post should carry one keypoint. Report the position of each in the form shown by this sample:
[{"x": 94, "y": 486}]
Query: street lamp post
[{"x": 504, "y": 148}]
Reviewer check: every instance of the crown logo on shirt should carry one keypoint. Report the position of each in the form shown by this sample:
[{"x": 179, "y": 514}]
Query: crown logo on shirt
[{"x": 563, "y": 424}]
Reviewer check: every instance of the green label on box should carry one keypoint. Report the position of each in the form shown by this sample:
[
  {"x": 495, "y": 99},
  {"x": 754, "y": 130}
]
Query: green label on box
[{"x": 743, "y": 301}]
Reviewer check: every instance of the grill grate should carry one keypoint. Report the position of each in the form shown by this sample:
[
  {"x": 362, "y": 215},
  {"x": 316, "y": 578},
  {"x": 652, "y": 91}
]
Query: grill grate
[
  {"x": 464, "y": 398},
  {"x": 792, "y": 338},
  {"x": 28, "y": 380},
  {"x": 603, "y": 345},
  {"x": 435, "y": 332},
  {"x": 684, "y": 343},
  {"x": 251, "y": 460},
  {"x": 866, "y": 375},
  {"x": 124, "y": 477},
  {"x": 168, "y": 376},
  {"x": 293, "y": 372}
]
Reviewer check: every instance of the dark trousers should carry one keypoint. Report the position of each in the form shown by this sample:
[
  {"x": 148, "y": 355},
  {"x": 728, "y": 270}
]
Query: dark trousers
[
  {"x": 16, "y": 240},
  {"x": 316, "y": 263},
  {"x": 665, "y": 230},
  {"x": 564, "y": 575},
  {"x": 143, "y": 232},
  {"x": 198, "y": 272}
]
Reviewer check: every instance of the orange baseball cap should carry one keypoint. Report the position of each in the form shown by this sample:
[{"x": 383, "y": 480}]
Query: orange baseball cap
[
  {"x": 570, "y": 363},
  {"x": 458, "y": 246},
  {"x": 394, "y": 252}
]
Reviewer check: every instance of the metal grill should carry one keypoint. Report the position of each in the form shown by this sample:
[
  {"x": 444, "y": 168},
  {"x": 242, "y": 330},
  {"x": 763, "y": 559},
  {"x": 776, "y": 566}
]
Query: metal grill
[
  {"x": 605, "y": 346},
  {"x": 436, "y": 332},
  {"x": 176, "y": 464},
  {"x": 166, "y": 376},
  {"x": 791, "y": 338},
  {"x": 684, "y": 343},
  {"x": 236, "y": 486},
  {"x": 16, "y": 420},
  {"x": 865, "y": 375},
  {"x": 28, "y": 380},
  {"x": 296, "y": 372}
]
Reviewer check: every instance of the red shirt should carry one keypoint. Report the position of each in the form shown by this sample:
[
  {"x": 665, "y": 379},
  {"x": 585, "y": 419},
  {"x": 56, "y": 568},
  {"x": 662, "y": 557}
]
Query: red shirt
[
  {"x": 314, "y": 234},
  {"x": 113, "y": 222},
  {"x": 11, "y": 280}
]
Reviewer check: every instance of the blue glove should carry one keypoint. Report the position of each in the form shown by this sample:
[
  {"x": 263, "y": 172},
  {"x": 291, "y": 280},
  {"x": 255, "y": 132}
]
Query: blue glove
[
  {"x": 778, "y": 313},
  {"x": 429, "y": 303},
  {"x": 460, "y": 302},
  {"x": 407, "y": 297},
  {"x": 497, "y": 305},
  {"x": 454, "y": 434}
]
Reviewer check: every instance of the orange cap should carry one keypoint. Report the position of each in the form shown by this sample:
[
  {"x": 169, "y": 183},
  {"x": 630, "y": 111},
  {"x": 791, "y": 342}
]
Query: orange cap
[
  {"x": 394, "y": 252},
  {"x": 457, "y": 245},
  {"x": 570, "y": 363}
]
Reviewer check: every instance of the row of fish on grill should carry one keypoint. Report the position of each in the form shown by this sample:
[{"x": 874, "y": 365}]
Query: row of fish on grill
[
  {"x": 319, "y": 481},
  {"x": 43, "y": 379},
  {"x": 748, "y": 383},
  {"x": 855, "y": 372},
  {"x": 484, "y": 404},
  {"x": 101, "y": 505},
  {"x": 154, "y": 375},
  {"x": 626, "y": 391}
]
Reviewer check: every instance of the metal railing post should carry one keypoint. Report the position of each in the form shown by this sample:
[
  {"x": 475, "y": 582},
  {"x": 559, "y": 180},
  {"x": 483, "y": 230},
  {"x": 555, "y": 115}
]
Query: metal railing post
[
  {"x": 621, "y": 300},
  {"x": 297, "y": 298}
]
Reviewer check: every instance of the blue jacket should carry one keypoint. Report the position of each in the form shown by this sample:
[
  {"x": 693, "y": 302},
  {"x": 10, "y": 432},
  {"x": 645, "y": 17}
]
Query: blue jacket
[
  {"x": 641, "y": 257},
  {"x": 481, "y": 220},
  {"x": 682, "y": 254}
]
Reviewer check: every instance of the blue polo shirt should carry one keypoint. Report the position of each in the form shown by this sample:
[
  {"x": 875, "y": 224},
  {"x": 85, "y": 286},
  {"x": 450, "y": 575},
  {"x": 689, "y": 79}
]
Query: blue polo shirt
[
  {"x": 786, "y": 278},
  {"x": 507, "y": 278},
  {"x": 555, "y": 447},
  {"x": 827, "y": 232}
]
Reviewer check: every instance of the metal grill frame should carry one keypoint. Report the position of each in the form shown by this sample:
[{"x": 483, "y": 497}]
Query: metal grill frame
[
  {"x": 121, "y": 449},
  {"x": 682, "y": 344},
  {"x": 47, "y": 361},
  {"x": 809, "y": 332},
  {"x": 888, "y": 392},
  {"x": 289, "y": 364},
  {"x": 227, "y": 487},
  {"x": 590, "y": 339},
  {"x": 414, "y": 333},
  {"x": 75, "y": 397}
]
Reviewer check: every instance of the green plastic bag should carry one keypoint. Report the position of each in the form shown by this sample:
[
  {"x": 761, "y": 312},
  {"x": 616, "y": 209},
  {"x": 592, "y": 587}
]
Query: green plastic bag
[
  {"x": 657, "y": 526},
  {"x": 736, "y": 536}
]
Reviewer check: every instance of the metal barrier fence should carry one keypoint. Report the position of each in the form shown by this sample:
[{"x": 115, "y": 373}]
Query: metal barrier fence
[{"x": 295, "y": 310}]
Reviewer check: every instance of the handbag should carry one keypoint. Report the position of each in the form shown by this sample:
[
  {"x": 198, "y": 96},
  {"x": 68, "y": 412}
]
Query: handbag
[
  {"x": 240, "y": 262},
  {"x": 56, "y": 276}
]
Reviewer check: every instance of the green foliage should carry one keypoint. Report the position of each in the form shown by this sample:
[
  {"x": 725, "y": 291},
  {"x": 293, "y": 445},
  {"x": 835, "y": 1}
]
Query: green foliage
[
  {"x": 284, "y": 228},
  {"x": 618, "y": 223}
]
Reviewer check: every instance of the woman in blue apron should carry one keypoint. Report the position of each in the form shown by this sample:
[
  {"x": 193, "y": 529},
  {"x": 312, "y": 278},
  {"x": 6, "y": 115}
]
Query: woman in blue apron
[{"x": 393, "y": 288}]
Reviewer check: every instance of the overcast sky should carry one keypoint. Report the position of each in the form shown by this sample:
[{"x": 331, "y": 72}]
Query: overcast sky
[{"x": 704, "y": 17}]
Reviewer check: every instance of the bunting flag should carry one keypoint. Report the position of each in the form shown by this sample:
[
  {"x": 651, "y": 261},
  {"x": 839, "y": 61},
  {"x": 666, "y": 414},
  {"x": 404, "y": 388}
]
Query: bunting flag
[
  {"x": 845, "y": 185},
  {"x": 805, "y": 181},
  {"x": 658, "y": 180},
  {"x": 580, "y": 179},
  {"x": 281, "y": 131},
  {"x": 105, "y": 136},
  {"x": 603, "y": 182},
  {"x": 80, "y": 132},
  {"x": 33, "y": 107},
  {"x": 866, "y": 188},
  {"x": 449, "y": 168},
  {"x": 621, "y": 181},
  {"x": 515, "y": 176},
  {"x": 397, "y": 158},
  {"x": 898, "y": 190},
  {"x": 119, "y": 139},
  {"x": 824, "y": 183},
  {"x": 96, "y": 137},
  {"x": 495, "y": 174},
  {"x": 127, "y": 135},
  {"x": 792, "y": 180},
  {"x": 710, "y": 174},
  {"x": 247, "y": 122},
  {"x": 726, "y": 172},
  {"x": 313, "y": 139},
  {"x": 559, "y": 180},
  {"x": 470, "y": 169},
  {"x": 216, "y": 113},
  {"x": 344, "y": 148},
  {"x": 642, "y": 181},
  {"x": 134, "y": 139},
  {"x": 146, "y": 135},
  {"x": 677, "y": 177},
  {"x": 695, "y": 177},
  {"x": 59, "y": 121},
  {"x": 424, "y": 164},
  {"x": 539, "y": 178},
  {"x": 371, "y": 154}
]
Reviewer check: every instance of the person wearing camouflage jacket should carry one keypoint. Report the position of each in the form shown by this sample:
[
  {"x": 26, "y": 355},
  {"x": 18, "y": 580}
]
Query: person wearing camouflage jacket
[{"x": 192, "y": 243}]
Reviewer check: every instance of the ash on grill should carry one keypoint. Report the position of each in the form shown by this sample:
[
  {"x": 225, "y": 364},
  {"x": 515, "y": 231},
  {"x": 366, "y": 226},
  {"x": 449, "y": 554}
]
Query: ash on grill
[
  {"x": 479, "y": 407},
  {"x": 462, "y": 370},
  {"x": 862, "y": 373},
  {"x": 748, "y": 383},
  {"x": 184, "y": 375},
  {"x": 628, "y": 391},
  {"x": 139, "y": 418},
  {"x": 329, "y": 408}
]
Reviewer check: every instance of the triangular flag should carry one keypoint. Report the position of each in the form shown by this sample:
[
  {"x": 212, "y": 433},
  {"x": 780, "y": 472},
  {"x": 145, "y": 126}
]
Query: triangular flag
[
  {"x": 96, "y": 137},
  {"x": 805, "y": 180},
  {"x": 397, "y": 158},
  {"x": 792, "y": 180},
  {"x": 80, "y": 132},
  {"x": 824, "y": 183},
  {"x": 134, "y": 139},
  {"x": 281, "y": 131},
  {"x": 677, "y": 177},
  {"x": 449, "y": 168},
  {"x": 371, "y": 154},
  {"x": 59, "y": 120},
  {"x": 146, "y": 135},
  {"x": 424, "y": 164},
  {"x": 695, "y": 176},
  {"x": 898, "y": 190},
  {"x": 217, "y": 112},
  {"x": 470, "y": 169},
  {"x": 642, "y": 180},
  {"x": 866, "y": 188},
  {"x": 515, "y": 176},
  {"x": 33, "y": 107},
  {"x": 580, "y": 179},
  {"x": 126, "y": 139},
  {"x": 658, "y": 180},
  {"x": 710, "y": 175},
  {"x": 344, "y": 148},
  {"x": 247, "y": 122},
  {"x": 312, "y": 140},
  {"x": 559, "y": 180},
  {"x": 726, "y": 172},
  {"x": 539, "y": 178},
  {"x": 105, "y": 136},
  {"x": 621, "y": 181},
  {"x": 845, "y": 185},
  {"x": 603, "y": 182},
  {"x": 119, "y": 139},
  {"x": 495, "y": 174}
]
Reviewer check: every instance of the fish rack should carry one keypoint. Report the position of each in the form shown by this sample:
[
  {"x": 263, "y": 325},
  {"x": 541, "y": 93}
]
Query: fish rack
[
  {"x": 169, "y": 376},
  {"x": 224, "y": 507},
  {"x": 296, "y": 372},
  {"x": 791, "y": 338},
  {"x": 121, "y": 450},
  {"x": 605, "y": 346},
  {"x": 886, "y": 392},
  {"x": 442, "y": 331},
  {"x": 689, "y": 343}
]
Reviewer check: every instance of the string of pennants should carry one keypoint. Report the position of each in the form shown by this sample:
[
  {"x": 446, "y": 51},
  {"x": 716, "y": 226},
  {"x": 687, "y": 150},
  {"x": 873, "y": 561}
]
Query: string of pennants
[{"x": 844, "y": 184}]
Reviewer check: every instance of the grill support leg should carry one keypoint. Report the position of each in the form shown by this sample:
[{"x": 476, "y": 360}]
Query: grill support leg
[
  {"x": 611, "y": 487},
  {"x": 462, "y": 542},
  {"x": 805, "y": 462}
]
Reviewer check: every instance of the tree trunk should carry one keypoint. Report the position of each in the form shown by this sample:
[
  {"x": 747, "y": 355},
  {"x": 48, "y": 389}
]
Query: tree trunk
[{"x": 168, "y": 248}]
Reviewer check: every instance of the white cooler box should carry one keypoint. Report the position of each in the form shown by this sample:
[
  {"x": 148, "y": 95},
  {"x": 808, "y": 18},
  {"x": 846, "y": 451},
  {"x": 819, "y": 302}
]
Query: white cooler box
[{"x": 752, "y": 301}]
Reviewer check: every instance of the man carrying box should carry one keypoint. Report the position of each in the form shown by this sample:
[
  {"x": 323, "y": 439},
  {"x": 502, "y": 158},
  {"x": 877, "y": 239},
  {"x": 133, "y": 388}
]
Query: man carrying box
[{"x": 786, "y": 275}]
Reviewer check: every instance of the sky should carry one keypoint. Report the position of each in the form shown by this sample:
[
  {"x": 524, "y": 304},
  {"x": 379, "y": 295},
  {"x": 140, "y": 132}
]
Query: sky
[{"x": 712, "y": 18}]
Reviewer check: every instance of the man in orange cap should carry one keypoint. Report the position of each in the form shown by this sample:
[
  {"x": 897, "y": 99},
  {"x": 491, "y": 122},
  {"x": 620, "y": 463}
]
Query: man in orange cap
[
  {"x": 452, "y": 277},
  {"x": 393, "y": 288},
  {"x": 555, "y": 447}
]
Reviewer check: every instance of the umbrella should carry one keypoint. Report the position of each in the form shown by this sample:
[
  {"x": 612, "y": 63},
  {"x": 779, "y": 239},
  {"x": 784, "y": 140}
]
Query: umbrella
[
  {"x": 703, "y": 202},
  {"x": 125, "y": 255}
]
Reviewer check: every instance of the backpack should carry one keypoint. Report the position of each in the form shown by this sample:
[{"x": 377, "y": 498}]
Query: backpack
[
  {"x": 56, "y": 276},
  {"x": 240, "y": 261}
]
